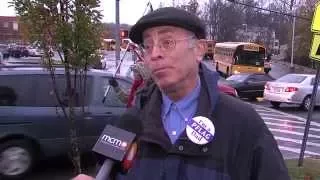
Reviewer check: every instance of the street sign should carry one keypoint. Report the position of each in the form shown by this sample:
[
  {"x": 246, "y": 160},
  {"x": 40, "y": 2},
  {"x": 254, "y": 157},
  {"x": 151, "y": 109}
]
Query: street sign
[
  {"x": 315, "y": 27},
  {"x": 315, "y": 55},
  {"x": 315, "y": 48}
]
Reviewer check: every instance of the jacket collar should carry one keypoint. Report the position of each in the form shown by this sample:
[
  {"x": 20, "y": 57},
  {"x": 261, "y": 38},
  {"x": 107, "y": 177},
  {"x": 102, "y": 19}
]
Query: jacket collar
[{"x": 210, "y": 78}]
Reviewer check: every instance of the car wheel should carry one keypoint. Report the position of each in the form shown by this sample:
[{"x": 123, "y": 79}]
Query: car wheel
[
  {"x": 275, "y": 104},
  {"x": 267, "y": 70},
  {"x": 17, "y": 158},
  {"x": 306, "y": 103}
]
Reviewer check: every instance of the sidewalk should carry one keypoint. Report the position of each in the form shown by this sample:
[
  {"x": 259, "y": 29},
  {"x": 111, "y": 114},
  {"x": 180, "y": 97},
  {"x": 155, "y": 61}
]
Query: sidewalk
[
  {"x": 309, "y": 171},
  {"x": 297, "y": 68}
]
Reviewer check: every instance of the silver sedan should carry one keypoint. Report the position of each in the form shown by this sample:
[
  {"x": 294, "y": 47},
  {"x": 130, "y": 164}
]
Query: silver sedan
[{"x": 291, "y": 89}]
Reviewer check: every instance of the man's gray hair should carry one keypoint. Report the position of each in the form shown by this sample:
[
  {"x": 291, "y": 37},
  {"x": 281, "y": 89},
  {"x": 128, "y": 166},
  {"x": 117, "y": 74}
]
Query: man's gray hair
[{"x": 191, "y": 41}]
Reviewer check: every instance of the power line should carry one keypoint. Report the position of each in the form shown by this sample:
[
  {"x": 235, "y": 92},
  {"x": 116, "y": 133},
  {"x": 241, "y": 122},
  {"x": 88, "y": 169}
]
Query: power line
[
  {"x": 277, "y": 12},
  {"x": 149, "y": 5}
]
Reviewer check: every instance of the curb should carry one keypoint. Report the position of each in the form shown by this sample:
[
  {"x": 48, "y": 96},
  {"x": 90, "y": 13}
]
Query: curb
[{"x": 297, "y": 68}]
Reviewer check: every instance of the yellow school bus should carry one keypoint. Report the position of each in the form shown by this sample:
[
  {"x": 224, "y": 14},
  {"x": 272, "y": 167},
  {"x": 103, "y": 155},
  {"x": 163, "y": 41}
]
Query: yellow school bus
[
  {"x": 109, "y": 44},
  {"x": 210, "y": 49},
  {"x": 239, "y": 57}
]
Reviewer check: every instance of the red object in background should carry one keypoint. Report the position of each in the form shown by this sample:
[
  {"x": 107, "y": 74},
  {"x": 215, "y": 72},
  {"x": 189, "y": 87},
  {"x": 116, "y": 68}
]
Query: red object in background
[
  {"x": 134, "y": 88},
  {"x": 124, "y": 34},
  {"x": 227, "y": 90}
]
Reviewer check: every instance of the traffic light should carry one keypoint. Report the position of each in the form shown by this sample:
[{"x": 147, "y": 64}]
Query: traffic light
[{"x": 124, "y": 33}]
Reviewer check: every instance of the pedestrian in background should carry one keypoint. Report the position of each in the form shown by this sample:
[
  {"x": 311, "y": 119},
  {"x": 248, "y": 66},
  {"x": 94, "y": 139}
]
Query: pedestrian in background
[{"x": 140, "y": 76}]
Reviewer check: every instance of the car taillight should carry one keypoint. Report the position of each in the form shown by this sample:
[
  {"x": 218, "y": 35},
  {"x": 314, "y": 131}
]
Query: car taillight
[
  {"x": 291, "y": 89},
  {"x": 267, "y": 86},
  {"x": 236, "y": 93}
]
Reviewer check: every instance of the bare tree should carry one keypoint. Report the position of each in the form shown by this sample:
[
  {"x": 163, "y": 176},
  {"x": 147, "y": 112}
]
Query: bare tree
[
  {"x": 191, "y": 6},
  {"x": 222, "y": 19},
  {"x": 72, "y": 28},
  {"x": 211, "y": 16}
]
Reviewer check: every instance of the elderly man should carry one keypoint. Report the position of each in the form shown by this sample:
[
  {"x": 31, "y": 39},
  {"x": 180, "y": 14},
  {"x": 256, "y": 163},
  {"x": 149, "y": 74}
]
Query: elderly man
[{"x": 190, "y": 130}]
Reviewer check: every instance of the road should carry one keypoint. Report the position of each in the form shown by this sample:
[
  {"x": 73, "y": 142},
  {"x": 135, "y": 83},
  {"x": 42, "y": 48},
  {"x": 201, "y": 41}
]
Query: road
[
  {"x": 278, "y": 69},
  {"x": 288, "y": 130},
  {"x": 291, "y": 109},
  {"x": 287, "y": 124}
]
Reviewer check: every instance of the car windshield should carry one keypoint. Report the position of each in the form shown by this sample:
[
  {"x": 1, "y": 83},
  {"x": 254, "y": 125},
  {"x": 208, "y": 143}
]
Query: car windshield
[
  {"x": 292, "y": 78},
  {"x": 238, "y": 77}
]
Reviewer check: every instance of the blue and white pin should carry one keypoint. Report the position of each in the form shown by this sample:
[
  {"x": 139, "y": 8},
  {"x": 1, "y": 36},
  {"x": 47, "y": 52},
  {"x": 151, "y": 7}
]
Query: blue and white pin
[{"x": 200, "y": 130}]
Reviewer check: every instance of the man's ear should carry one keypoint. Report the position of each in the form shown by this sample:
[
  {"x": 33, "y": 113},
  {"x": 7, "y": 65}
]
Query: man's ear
[{"x": 201, "y": 48}]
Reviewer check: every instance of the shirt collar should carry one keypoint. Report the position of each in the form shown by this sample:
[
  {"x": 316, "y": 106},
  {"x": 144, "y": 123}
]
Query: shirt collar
[{"x": 182, "y": 103}]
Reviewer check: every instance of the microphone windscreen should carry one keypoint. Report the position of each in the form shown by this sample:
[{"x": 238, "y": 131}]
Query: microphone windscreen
[{"x": 130, "y": 121}]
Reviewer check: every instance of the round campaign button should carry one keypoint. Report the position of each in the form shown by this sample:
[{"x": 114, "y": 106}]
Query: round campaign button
[{"x": 200, "y": 130}]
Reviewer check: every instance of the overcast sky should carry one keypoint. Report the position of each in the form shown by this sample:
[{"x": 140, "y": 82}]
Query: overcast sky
[{"x": 130, "y": 10}]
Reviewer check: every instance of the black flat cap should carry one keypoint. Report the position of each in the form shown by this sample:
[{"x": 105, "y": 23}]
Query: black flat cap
[{"x": 168, "y": 16}]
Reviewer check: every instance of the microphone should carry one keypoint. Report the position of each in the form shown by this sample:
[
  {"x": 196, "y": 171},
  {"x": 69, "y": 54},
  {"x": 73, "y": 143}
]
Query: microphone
[{"x": 116, "y": 143}]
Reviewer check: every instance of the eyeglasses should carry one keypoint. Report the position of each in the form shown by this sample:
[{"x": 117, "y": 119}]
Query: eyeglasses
[{"x": 165, "y": 45}]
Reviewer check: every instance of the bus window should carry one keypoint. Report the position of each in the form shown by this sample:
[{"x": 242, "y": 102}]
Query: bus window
[{"x": 250, "y": 58}]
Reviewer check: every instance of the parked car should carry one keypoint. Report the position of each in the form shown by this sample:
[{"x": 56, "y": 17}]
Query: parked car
[
  {"x": 4, "y": 50},
  {"x": 291, "y": 89},
  {"x": 1, "y": 58},
  {"x": 223, "y": 87},
  {"x": 35, "y": 51},
  {"x": 32, "y": 124},
  {"x": 17, "y": 51},
  {"x": 249, "y": 85}
]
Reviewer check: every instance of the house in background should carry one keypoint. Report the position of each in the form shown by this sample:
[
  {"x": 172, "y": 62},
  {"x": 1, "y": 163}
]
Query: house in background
[{"x": 9, "y": 29}]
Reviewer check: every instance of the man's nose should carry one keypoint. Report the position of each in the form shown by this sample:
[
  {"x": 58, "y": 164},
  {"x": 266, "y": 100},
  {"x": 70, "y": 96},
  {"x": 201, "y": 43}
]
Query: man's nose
[{"x": 155, "y": 52}]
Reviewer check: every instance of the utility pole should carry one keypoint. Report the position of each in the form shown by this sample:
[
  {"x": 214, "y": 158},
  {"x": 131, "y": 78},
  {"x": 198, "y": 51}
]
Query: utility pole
[
  {"x": 210, "y": 21},
  {"x": 293, "y": 34},
  {"x": 117, "y": 34}
]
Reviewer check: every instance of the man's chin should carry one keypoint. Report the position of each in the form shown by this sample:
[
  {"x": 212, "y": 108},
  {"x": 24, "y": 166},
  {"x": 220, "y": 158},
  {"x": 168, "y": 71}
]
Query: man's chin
[{"x": 166, "y": 86}]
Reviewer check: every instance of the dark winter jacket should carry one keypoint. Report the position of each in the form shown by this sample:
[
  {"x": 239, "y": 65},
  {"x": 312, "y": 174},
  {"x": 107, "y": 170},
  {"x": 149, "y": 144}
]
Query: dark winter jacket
[{"x": 242, "y": 148}]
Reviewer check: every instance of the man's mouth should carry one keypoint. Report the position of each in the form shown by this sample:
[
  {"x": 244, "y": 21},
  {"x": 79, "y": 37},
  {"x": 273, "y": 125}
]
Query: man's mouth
[{"x": 159, "y": 70}]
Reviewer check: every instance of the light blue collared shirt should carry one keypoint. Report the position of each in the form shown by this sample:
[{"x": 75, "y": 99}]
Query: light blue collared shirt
[{"x": 175, "y": 114}]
